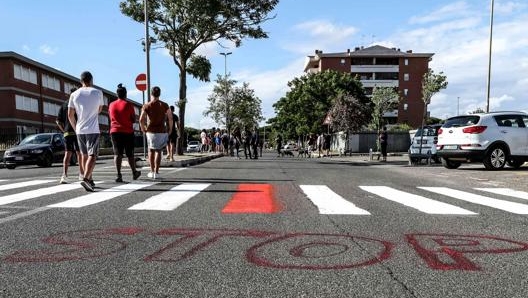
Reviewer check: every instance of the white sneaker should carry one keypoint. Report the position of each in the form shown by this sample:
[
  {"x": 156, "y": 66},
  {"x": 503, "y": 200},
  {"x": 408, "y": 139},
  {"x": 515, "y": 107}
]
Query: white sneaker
[
  {"x": 81, "y": 177},
  {"x": 150, "y": 175},
  {"x": 156, "y": 176},
  {"x": 64, "y": 179}
]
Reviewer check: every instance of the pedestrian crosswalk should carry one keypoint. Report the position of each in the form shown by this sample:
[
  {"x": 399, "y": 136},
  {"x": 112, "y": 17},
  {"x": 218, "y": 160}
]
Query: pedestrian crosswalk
[{"x": 362, "y": 200}]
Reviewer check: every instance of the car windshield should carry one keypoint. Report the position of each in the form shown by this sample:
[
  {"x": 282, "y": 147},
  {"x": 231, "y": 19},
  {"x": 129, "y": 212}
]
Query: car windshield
[
  {"x": 36, "y": 139},
  {"x": 462, "y": 121},
  {"x": 193, "y": 143},
  {"x": 427, "y": 132}
]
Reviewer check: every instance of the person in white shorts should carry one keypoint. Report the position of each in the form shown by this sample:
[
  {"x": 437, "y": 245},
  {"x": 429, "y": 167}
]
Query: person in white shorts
[
  {"x": 87, "y": 102},
  {"x": 158, "y": 129}
]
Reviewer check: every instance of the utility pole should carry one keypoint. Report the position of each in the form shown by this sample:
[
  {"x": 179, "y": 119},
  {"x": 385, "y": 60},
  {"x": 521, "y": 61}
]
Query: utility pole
[
  {"x": 225, "y": 54},
  {"x": 147, "y": 47},
  {"x": 489, "y": 58}
]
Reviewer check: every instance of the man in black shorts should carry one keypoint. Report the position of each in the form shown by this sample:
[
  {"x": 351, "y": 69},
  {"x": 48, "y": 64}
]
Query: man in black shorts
[
  {"x": 173, "y": 136},
  {"x": 70, "y": 141}
]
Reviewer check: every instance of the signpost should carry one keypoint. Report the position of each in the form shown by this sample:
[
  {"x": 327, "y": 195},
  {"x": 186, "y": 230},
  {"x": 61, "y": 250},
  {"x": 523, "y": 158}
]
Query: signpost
[{"x": 141, "y": 85}]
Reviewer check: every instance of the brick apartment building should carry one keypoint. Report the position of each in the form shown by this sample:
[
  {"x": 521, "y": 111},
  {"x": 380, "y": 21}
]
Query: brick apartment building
[
  {"x": 32, "y": 93},
  {"x": 382, "y": 67}
]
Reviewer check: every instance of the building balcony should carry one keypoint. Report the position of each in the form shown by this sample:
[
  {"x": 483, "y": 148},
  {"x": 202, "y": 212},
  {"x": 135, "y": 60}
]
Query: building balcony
[
  {"x": 374, "y": 68},
  {"x": 379, "y": 83}
]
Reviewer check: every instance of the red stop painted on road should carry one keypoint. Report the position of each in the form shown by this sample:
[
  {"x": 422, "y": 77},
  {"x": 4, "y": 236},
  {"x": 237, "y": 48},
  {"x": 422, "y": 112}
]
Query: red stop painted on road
[{"x": 141, "y": 82}]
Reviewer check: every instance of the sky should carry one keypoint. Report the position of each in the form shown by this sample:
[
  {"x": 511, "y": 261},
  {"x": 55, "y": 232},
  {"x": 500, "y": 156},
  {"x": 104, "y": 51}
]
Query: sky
[{"x": 77, "y": 35}]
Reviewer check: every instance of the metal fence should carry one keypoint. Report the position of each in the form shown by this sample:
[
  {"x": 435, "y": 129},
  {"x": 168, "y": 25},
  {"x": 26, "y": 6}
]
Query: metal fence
[{"x": 362, "y": 142}]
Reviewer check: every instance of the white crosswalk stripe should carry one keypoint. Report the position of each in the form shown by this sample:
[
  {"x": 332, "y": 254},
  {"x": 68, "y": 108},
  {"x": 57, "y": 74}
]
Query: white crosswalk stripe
[
  {"x": 23, "y": 184},
  {"x": 33, "y": 194},
  {"x": 415, "y": 201},
  {"x": 172, "y": 199},
  {"x": 101, "y": 196},
  {"x": 328, "y": 202},
  {"x": 507, "y": 192},
  {"x": 508, "y": 206}
]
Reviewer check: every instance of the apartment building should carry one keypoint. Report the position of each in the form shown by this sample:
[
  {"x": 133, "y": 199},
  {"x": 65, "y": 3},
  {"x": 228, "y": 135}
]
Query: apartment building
[
  {"x": 32, "y": 93},
  {"x": 382, "y": 67}
]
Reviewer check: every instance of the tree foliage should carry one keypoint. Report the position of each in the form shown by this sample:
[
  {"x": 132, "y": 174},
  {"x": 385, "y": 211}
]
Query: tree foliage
[
  {"x": 239, "y": 103},
  {"x": 350, "y": 113},
  {"x": 181, "y": 26},
  {"x": 384, "y": 99},
  {"x": 431, "y": 84},
  {"x": 304, "y": 107}
]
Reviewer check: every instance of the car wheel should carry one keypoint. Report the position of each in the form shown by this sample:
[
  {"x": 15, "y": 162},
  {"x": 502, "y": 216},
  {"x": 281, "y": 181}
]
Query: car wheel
[
  {"x": 11, "y": 167},
  {"x": 449, "y": 164},
  {"x": 495, "y": 159},
  {"x": 515, "y": 163},
  {"x": 46, "y": 160}
]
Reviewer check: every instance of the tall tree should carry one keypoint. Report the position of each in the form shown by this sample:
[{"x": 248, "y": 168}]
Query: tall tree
[
  {"x": 244, "y": 106},
  {"x": 384, "y": 99},
  {"x": 310, "y": 98},
  {"x": 181, "y": 26},
  {"x": 431, "y": 84}
]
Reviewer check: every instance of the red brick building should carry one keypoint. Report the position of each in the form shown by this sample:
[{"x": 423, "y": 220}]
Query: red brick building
[
  {"x": 382, "y": 67},
  {"x": 31, "y": 94}
]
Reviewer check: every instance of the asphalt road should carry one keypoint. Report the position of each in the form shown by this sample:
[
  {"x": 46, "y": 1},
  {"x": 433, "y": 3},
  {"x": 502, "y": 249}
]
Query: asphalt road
[{"x": 272, "y": 227}]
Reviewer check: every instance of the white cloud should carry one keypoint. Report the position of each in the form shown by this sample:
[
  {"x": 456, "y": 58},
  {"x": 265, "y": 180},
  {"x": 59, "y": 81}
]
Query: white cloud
[
  {"x": 48, "y": 50},
  {"x": 447, "y": 12},
  {"x": 508, "y": 7},
  {"x": 322, "y": 35},
  {"x": 26, "y": 48}
]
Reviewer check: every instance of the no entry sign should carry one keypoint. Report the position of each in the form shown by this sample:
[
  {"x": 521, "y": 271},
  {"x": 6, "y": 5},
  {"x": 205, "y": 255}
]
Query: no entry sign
[{"x": 141, "y": 82}]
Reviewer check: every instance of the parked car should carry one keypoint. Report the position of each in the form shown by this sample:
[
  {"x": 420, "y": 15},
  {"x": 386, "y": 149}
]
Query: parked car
[
  {"x": 41, "y": 149},
  {"x": 495, "y": 139},
  {"x": 193, "y": 146},
  {"x": 423, "y": 144},
  {"x": 291, "y": 147}
]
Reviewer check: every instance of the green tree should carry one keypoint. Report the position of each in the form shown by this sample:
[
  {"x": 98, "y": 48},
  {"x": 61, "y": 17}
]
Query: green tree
[
  {"x": 310, "y": 98},
  {"x": 384, "y": 99},
  {"x": 431, "y": 84},
  {"x": 181, "y": 26},
  {"x": 244, "y": 106}
]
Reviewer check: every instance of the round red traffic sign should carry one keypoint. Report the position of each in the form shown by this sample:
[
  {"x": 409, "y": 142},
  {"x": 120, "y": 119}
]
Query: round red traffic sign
[{"x": 141, "y": 82}]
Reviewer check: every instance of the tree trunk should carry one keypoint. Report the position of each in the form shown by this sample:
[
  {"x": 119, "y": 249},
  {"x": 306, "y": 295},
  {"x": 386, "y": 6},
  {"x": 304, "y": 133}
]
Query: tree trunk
[{"x": 181, "y": 104}]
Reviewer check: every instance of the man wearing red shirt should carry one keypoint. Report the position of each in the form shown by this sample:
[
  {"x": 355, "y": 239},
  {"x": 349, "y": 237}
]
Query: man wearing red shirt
[{"x": 122, "y": 118}]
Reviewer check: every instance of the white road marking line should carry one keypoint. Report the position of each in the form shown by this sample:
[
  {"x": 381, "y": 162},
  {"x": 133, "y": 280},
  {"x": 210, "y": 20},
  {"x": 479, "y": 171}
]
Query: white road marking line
[
  {"x": 328, "y": 202},
  {"x": 22, "y": 214},
  {"x": 24, "y": 184},
  {"x": 507, "y": 192},
  {"x": 101, "y": 196},
  {"x": 2, "y": 180},
  {"x": 32, "y": 194},
  {"x": 171, "y": 199},
  {"x": 481, "y": 200},
  {"x": 4, "y": 212},
  {"x": 415, "y": 201}
]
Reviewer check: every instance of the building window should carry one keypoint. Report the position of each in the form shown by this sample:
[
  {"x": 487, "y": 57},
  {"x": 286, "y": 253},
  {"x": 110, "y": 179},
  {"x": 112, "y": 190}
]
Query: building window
[
  {"x": 25, "y": 103},
  {"x": 25, "y": 74},
  {"x": 51, "y": 108},
  {"x": 406, "y": 61},
  {"x": 343, "y": 61},
  {"x": 68, "y": 87},
  {"x": 406, "y": 77},
  {"x": 50, "y": 82},
  {"x": 406, "y": 92},
  {"x": 103, "y": 119}
]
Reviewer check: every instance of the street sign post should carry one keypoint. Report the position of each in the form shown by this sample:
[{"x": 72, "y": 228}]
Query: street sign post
[{"x": 141, "y": 85}]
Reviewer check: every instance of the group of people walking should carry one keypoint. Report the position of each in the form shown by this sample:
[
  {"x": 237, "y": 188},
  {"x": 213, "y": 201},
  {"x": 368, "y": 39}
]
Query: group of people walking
[
  {"x": 78, "y": 119},
  {"x": 231, "y": 143}
]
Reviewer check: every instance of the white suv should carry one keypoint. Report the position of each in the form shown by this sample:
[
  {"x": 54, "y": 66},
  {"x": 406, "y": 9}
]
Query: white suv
[{"x": 495, "y": 139}]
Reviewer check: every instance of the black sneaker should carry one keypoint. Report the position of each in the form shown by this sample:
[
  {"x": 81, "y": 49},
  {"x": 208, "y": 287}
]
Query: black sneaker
[
  {"x": 119, "y": 178},
  {"x": 92, "y": 183},
  {"x": 136, "y": 175},
  {"x": 87, "y": 186}
]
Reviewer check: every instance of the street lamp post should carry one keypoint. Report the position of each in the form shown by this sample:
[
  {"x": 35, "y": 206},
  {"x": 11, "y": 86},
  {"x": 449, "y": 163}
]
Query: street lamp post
[
  {"x": 225, "y": 54},
  {"x": 458, "y": 105},
  {"x": 489, "y": 58}
]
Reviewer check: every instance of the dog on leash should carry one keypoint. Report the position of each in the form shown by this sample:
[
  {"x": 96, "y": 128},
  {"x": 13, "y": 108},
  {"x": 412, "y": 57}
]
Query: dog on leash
[
  {"x": 286, "y": 152},
  {"x": 303, "y": 152}
]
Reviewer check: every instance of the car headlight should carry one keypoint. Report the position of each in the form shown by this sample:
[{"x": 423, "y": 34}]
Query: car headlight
[
  {"x": 37, "y": 151},
  {"x": 7, "y": 153}
]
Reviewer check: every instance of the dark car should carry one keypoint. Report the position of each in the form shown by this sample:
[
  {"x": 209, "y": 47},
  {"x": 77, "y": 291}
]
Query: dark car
[{"x": 41, "y": 149}]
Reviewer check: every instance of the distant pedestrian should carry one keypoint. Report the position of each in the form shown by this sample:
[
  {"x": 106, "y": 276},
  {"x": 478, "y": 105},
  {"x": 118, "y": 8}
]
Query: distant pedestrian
[
  {"x": 383, "y": 138},
  {"x": 246, "y": 138},
  {"x": 278, "y": 142},
  {"x": 320, "y": 143},
  {"x": 87, "y": 102},
  {"x": 159, "y": 116},
  {"x": 326, "y": 145},
  {"x": 237, "y": 135},
  {"x": 173, "y": 136},
  {"x": 122, "y": 119},
  {"x": 203, "y": 138},
  {"x": 70, "y": 139},
  {"x": 255, "y": 139}
]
